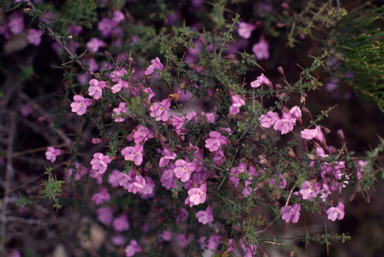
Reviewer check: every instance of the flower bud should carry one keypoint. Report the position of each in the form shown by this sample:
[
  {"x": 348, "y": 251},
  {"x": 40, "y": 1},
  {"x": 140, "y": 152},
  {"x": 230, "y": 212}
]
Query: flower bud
[
  {"x": 281, "y": 70},
  {"x": 96, "y": 141},
  {"x": 340, "y": 133}
]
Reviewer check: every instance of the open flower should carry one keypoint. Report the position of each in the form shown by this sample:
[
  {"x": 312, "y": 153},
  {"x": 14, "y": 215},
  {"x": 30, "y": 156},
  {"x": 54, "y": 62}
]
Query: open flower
[
  {"x": 197, "y": 195},
  {"x": 215, "y": 141},
  {"x": 312, "y": 133},
  {"x": 160, "y": 111},
  {"x": 134, "y": 154},
  {"x": 184, "y": 169},
  {"x": 260, "y": 80},
  {"x": 96, "y": 88},
  {"x": 100, "y": 162},
  {"x": 205, "y": 216},
  {"x": 291, "y": 213},
  {"x": 52, "y": 153},
  {"x": 80, "y": 104},
  {"x": 336, "y": 212}
]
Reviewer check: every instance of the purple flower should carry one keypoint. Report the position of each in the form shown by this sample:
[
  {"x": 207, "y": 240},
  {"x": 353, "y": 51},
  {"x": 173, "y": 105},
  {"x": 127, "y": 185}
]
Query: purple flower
[
  {"x": 205, "y": 216},
  {"x": 52, "y": 153},
  {"x": 261, "y": 50},
  {"x": 80, "y": 104},
  {"x": 142, "y": 133},
  {"x": 177, "y": 123},
  {"x": 165, "y": 236},
  {"x": 336, "y": 212},
  {"x": 96, "y": 175},
  {"x": 105, "y": 26},
  {"x": 119, "y": 112},
  {"x": 260, "y": 80},
  {"x": 16, "y": 24},
  {"x": 295, "y": 112},
  {"x": 168, "y": 179},
  {"x": 100, "y": 162},
  {"x": 196, "y": 195},
  {"x": 245, "y": 29},
  {"x": 118, "y": 240},
  {"x": 101, "y": 197},
  {"x": 138, "y": 184},
  {"x": 184, "y": 169},
  {"x": 215, "y": 141},
  {"x": 213, "y": 242},
  {"x": 285, "y": 124},
  {"x": 160, "y": 111},
  {"x": 309, "y": 191},
  {"x": 267, "y": 121},
  {"x": 156, "y": 65},
  {"x": 167, "y": 155},
  {"x": 148, "y": 186},
  {"x": 132, "y": 248},
  {"x": 118, "y": 16},
  {"x": 237, "y": 102},
  {"x": 94, "y": 44},
  {"x": 113, "y": 178},
  {"x": 75, "y": 29},
  {"x": 121, "y": 84},
  {"x": 312, "y": 133},
  {"x": 105, "y": 215},
  {"x": 134, "y": 154},
  {"x": 360, "y": 168},
  {"x": 242, "y": 167},
  {"x": 183, "y": 215},
  {"x": 121, "y": 223},
  {"x": 126, "y": 179},
  {"x": 150, "y": 92},
  {"x": 183, "y": 240},
  {"x": 34, "y": 36},
  {"x": 291, "y": 213},
  {"x": 96, "y": 88}
]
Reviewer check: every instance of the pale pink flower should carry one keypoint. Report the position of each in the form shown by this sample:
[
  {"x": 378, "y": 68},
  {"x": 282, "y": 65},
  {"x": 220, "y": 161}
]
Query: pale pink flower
[
  {"x": 148, "y": 187},
  {"x": 121, "y": 223},
  {"x": 210, "y": 116},
  {"x": 134, "y": 154},
  {"x": 137, "y": 185},
  {"x": 101, "y": 197},
  {"x": 213, "y": 242},
  {"x": 105, "y": 215},
  {"x": 150, "y": 92},
  {"x": 80, "y": 104},
  {"x": 260, "y": 80},
  {"x": 78, "y": 171},
  {"x": 291, "y": 213},
  {"x": 215, "y": 141},
  {"x": 166, "y": 235},
  {"x": 295, "y": 112},
  {"x": 16, "y": 24},
  {"x": 118, "y": 240},
  {"x": 196, "y": 195},
  {"x": 245, "y": 29},
  {"x": 242, "y": 167},
  {"x": 105, "y": 26},
  {"x": 192, "y": 116},
  {"x": 205, "y": 216},
  {"x": 141, "y": 134},
  {"x": 160, "y": 111},
  {"x": 25, "y": 110},
  {"x": 177, "y": 123},
  {"x": 312, "y": 133},
  {"x": 113, "y": 178},
  {"x": 167, "y": 155},
  {"x": 94, "y": 44},
  {"x": 168, "y": 179},
  {"x": 96, "y": 175},
  {"x": 100, "y": 162},
  {"x": 285, "y": 124},
  {"x": 156, "y": 65},
  {"x": 261, "y": 50},
  {"x": 96, "y": 88},
  {"x": 120, "y": 112},
  {"x": 184, "y": 169},
  {"x": 309, "y": 191},
  {"x": 52, "y": 153},
  {"x": 360, "y": 168},
  {"x": 34, "y": 36},
  {"x": 121, "y": 84},
  {"x": 118, "y": 16},
  {"x": 125, "y": 179},
  {"x": 267, "y": 121},
  {"x": 132, "y": 248},
  {"x": 183, "y": 215},
  {"x": 336, "y": 212},
  {"x": 237, "y": 102}
]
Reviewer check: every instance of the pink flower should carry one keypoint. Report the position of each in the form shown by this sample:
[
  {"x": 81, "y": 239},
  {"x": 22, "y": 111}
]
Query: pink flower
[
  {"x": 309, "y": 191},
  {"x": 75, "y": 29},
  {"x": 360, "y": 168},
  {"x": 312, "y": 133},
  {"x": 267, "y": 121},
  {"x": 245, "y": 29},
  {"x": 183, "y": 215},
  {"x": 165, "y": 236},
  {"x": 120, "y": 112},
  {"x": 156, "y": 65},
  {"x": 132, "y": 248},
  {"x": 285, "y": 124},
  {"x": 184, "y": 169},
  {"x": 150, "y": 92},
  {"x": 210, "y": 116},
  {"x": 177, "y": 123},
  {"x": 213, "y": 242},
  {"x": 121, "y": 84},
  {"x": 16, "y": 24},
  {"x": 149, "y": 185},
  {"x": 160, "y": 111},
  {"x": 126, "y": 179},
  {"x": 205, "y": 216},
  {"x": 291, "y": 213},
  {"x": 168, "y": 179},
  {"x": 142, "y": 133},
  {"x": 25, "y": 110},
  {"x": 167, "y": 155},
  {"x": 105, "y": 26},
  {"x": 80, "y": 104},
  {"x": 94, "y": 44},
  {"x": 242, "y": 167},
  {"x": 114, "y": 179},
  {"x": 138, "y": 184},
  {"x": 52, "y": 153},
  {"x": 121, "y": 223},
  {"x": 196, "y": 195},
  {"x": 96, "y": 175},
  {"x": 118, "y": 16},
  {"x": 237, "y": 102},
  {"x": 261, "y": 50},
  {"x": 192, "y": 116},
  {"x": 118, "y": 240},
  {"x": 105, "y": 215},
  {"x": 336, "y": 212},
  {"x": 96, "y": 88},
  {"x": 101, "y": 197},
  {"x": 34, "y": 36},
  {"x": 215, "y": 141},
  {"x": 134, "y": 154},
  {"x": 100, "y": 162},
  {"x": 295, "y": 112},
  {"x": 260, "y": 80},
  {"x": 183, "y": 240},
  {"x": 78, "y": 171}
]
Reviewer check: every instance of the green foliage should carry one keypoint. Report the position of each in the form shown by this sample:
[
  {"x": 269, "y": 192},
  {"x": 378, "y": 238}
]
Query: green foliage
[{"x": 52, "y": 188}]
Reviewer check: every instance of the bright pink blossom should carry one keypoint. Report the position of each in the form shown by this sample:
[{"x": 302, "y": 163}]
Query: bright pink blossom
[
  {"x": 96, "y": 88},
  {"x": 196, "y": 195},
  {"x": 141, "y": 134},
  {"x": 101, "y": 197},
  {"x": 52, "y": 153},
  {"x": 121, "y": 223},
  {"x": 166, "y": 235},
  {"x": 120, "y": 112},
  {"x": 148, "y": 187},
  {"x": 336, "y": 212},
  {"x": 100, "y": 162},
  {"x": 80, "y": 104},
  {"x": 291, "y": 213},
  {"x": 237, "y": 102},
  {"x": 168, "y": 179},
  {"x": 125, "y": 179},
  {"x": 177, "y": 123},
  {"x": 260, "y": 80},
  {"x": 312, "y": 133},
  {"x": 267, "y": 121},
  {"x": 160, "y": 111},
  {"x": 205, "y": 216},
  {"x": 138, "y": 184},
  {"x": 167, "y": 155},
  {"x": 245, "y": 29},
  {"x": 309, "y": 191},
  {"x": 156, "y": 65},
  {"x": 184, "y": 169},
  {"x": 285, "y": 124},
  {"x": 215, "y": 141},
  {"x": 261, "y": 50},
  {"x": 134, "y": 154}
]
